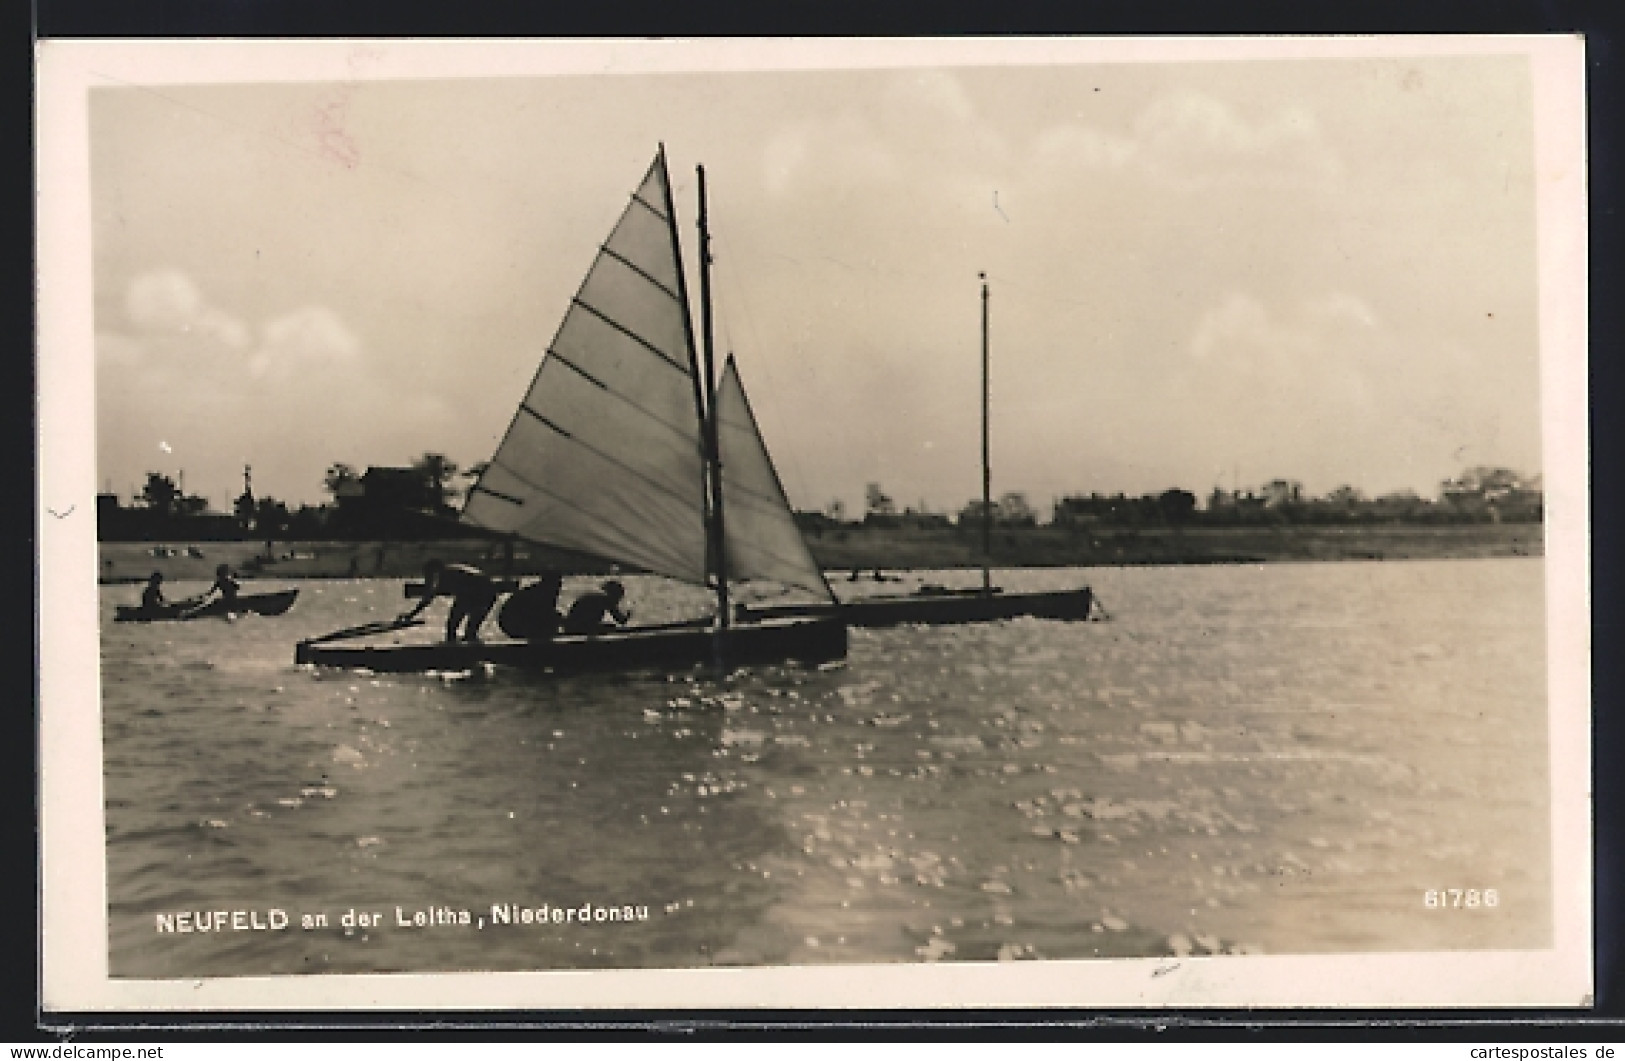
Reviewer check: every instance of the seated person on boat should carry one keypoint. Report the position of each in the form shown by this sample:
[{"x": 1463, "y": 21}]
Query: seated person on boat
[
  {"x": 532, "y": 613},
  {"x": 589, "y": 613},
  {"x": 152, "y": 598},
  {"x": 472, "y": 593}
]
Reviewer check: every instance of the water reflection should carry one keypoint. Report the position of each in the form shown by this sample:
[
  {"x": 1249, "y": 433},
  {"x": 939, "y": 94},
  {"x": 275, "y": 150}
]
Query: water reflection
[{"x": 1245, "y": 758}]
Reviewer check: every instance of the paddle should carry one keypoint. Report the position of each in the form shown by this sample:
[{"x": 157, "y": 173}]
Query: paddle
[
  {"x": 190, "y": 607},
  {"x": 378, "y": 627}
]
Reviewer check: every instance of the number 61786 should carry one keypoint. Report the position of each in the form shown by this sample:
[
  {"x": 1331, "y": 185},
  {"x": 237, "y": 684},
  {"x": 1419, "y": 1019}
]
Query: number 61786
[{"x": 1460, "y": 898}]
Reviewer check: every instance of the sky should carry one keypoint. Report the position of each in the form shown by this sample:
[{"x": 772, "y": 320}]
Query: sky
[{"x": 1201, "y": 273}]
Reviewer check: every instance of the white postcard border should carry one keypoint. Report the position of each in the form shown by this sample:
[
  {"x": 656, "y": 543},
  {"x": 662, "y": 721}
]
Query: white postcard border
[{"x": 73, "y": 903}]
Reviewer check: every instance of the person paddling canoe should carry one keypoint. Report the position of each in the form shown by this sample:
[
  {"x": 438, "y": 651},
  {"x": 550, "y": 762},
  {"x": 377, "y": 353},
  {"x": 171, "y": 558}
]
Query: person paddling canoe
[
  {"x": 224, "y": 588},
  {"x": 152, "y": 598},
  {"x": 473, "y": 594}
]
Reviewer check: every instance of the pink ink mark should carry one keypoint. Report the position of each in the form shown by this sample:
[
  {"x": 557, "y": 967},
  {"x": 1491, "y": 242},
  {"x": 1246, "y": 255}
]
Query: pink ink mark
[{"x": 333, "y": 140}]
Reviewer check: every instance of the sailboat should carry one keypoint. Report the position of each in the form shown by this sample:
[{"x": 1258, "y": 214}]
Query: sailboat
[
  {"x": 938, "y": 605},
  {"x": 627, "y": 448}
]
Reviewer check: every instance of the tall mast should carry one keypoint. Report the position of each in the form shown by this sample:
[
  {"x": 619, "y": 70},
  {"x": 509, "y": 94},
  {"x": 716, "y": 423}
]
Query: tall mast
[
  {"x": 700, "y": 397},
  {"x": 987, "y": 471},
  {"x": 712, "y": 456}
]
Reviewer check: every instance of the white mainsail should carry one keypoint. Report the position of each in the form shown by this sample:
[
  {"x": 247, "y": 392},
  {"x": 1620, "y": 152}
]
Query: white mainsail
[
  {"x": 760, "y": 534},
  {"x": 604, "y": 455}
]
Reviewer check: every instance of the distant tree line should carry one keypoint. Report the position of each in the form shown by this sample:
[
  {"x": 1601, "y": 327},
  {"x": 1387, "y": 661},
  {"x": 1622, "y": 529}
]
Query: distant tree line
[
  {"x": 1478, "y": 495},
  {"x": 408, "y": 503},
  {"x": 419, "y": 501}
]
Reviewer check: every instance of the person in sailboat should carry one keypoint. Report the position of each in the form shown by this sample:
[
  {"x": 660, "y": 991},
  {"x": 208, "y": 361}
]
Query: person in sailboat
[
  {"x": 591, "y": 613},
  {"x": 473, "y": 594},
  {"x": 532, "y": 613}
]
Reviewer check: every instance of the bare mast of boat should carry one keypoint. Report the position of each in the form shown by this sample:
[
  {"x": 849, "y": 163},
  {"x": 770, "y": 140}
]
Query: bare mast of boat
[
  {"x": 708, "y": 425},
  {"x": 987, "y": 471},
  {"x": 703, "y": 391}
]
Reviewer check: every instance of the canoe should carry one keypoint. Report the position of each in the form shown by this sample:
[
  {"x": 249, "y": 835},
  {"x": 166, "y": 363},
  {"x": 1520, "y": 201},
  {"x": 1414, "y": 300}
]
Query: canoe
[
  {"x": 245, "y": 604},
  {"x": 940, "y": 607},
  {"x": 674, "y": 647}
]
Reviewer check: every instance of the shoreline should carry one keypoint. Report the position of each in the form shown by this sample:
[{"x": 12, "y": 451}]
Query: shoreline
[{"x": 865, "y": 548}]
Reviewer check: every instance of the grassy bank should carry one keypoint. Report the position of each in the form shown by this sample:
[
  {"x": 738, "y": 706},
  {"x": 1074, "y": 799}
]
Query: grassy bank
[{"x": 862, "y": 547}]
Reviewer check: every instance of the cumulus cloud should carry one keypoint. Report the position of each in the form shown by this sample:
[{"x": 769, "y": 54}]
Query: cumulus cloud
[
  {"x": 842, "y": 152},
  {"x": 308, "y": 339},
  {"x": 1194, "y": 141},
  {"x": 163, "y": 300},
  {"x": 1321, "y": 388},
  {"x": 1241, "y": 333},
  {"x": 168, "y": 301},
  {"x": 1322, "y": 360},
  {"x": 297, "y": 393},
  {"x": 1240, "y": 321},
  {"x": 918, "y": 126},
  {"x": 1195, "y": 138}
]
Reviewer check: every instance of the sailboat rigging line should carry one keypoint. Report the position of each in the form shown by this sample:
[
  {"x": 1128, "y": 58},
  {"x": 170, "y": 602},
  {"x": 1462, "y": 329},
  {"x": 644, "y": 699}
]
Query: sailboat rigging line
[
  {"x": 641, "y": 201},
  {"x": 608, "y": 251},
  {"x": 583, "y": 373},
  {"x": 499, "y": 495},
  {"x": 590, "y": 378},
  {"x": 546, "y": 421},
  {"x": 595, "y": 451},
  {"x": 630, "y": 334},
  {"x": 559, "y": 499}
]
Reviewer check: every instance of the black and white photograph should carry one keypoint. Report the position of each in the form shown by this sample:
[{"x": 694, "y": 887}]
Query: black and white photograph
[{"x": 841, "y": 523}]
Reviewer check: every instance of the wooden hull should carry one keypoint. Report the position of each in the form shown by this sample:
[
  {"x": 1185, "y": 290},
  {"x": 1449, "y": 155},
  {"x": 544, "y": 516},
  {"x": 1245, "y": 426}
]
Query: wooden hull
[
  {"x": 966, "y": 606},
  {"x": 815, "y": 639},
  {"x": 247, "y": 604}
]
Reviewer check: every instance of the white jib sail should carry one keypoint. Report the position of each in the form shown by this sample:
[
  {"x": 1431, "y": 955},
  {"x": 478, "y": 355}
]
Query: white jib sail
[
  {"x": 760, "y": 533},
  {"x": 604, "y": 454}
]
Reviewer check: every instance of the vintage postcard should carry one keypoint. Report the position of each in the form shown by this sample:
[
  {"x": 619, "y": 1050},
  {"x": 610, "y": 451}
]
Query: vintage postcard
[{"x": 851, "y": 523}]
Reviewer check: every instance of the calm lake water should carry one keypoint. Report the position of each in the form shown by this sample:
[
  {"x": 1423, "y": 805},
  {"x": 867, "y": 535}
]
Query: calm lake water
[{"x": 1280, "y": 758}]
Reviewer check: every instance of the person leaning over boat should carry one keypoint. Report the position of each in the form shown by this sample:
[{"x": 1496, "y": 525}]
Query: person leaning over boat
[
  {"x": 532, "y": 614},
  {"x": 472, "y": 594},
  {"x": 590, "y": 611}
]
